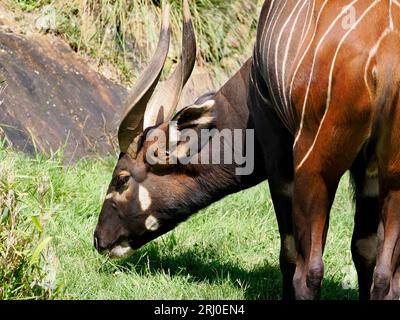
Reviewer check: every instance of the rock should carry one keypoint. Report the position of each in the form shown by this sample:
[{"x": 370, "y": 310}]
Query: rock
[{"x": 53, "y": 99}]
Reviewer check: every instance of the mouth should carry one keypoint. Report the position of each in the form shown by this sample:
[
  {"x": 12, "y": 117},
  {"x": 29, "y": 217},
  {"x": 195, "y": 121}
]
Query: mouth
[{"x": 121, "y": 251}]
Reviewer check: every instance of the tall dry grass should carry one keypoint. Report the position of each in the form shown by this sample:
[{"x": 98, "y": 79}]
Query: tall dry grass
[{"x": 125, "y": 32}]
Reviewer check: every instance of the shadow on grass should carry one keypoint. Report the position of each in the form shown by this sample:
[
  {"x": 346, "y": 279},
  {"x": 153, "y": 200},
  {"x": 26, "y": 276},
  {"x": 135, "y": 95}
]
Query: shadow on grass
[{"x": 262, "y": 282}]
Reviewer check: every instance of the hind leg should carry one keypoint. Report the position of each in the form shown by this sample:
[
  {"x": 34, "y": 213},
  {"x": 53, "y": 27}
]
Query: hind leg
[
  {"x": 387, "y": 272},
  {"x": 386, "y": 276},
  {"x": 318, "y": 169},
  {"x": 311, "y": 206},
  {"x": 364, "y": 241},
  {"x": 282, "y": 199},
  {"x": 277, "y": 148},
  {"x": 281, "y": 186}
]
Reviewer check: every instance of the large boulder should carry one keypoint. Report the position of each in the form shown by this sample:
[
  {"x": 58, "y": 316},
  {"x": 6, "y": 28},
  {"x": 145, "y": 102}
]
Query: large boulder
[{"x": 54, "y": 99}]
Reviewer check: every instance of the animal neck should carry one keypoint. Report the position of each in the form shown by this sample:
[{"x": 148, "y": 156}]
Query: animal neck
[{"x": 231, "y": 101}]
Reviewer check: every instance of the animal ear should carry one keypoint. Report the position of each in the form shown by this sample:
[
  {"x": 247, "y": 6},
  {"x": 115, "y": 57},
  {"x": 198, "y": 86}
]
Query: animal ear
[
  {"x": 185, "y": 129},
  {"x": 196, "y": 116}
]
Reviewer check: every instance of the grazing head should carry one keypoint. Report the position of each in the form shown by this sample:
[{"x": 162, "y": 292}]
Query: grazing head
[{"x": 147, "y": 198}]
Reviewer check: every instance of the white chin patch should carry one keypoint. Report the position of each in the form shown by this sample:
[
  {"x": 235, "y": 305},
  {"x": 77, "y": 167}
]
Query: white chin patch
[{"x": 120, "y": 251}]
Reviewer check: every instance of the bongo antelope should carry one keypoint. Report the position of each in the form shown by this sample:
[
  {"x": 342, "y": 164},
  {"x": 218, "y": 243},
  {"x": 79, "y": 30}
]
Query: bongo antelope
[{"x": 321, "y": 93}]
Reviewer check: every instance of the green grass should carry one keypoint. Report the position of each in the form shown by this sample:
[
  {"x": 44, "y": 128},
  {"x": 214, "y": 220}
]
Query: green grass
[
  {"x": 227, "y": 251},
  {"x": 30, "y": 5},
  {"x": 25, "y": 270}
]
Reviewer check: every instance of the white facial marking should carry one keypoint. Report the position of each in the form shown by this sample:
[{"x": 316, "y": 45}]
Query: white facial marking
[
  {"x": 151, "y": 223},
  {"x": 144, "y": 198},
  {"x": 122, "y": 250},
  {"x": 290, "y": 247},
  {"x": 368, "y": 247},
  {"x": 109, "y": 196}
]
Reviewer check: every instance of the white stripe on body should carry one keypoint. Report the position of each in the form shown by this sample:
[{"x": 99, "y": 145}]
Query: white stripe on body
[{"x": 329, "y": 98}]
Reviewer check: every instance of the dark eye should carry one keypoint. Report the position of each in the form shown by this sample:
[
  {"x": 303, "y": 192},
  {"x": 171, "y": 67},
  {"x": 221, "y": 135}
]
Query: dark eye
[{"x": 122, "y": 181}]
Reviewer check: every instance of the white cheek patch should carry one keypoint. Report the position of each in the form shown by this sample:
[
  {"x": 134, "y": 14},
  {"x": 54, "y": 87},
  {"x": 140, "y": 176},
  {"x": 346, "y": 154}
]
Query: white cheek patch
[
  {"x": 144, "y": 198},
  {"x": 151, "y": 223},
  {"x": 121, "y": 251}
]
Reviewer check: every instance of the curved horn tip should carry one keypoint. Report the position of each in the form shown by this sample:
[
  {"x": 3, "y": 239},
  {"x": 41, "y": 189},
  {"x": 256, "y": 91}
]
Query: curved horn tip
[
  {"x": 186, "y": 11},
  {"x": 165, "y": 21}
]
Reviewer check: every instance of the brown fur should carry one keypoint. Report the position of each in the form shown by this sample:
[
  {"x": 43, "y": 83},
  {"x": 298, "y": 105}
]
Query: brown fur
[{"x": 333, "y": 115}]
